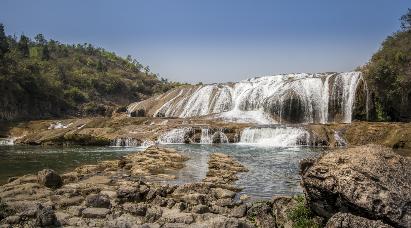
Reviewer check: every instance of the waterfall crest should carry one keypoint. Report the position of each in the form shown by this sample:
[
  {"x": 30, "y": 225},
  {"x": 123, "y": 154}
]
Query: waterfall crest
[{"x": 288, "y": 98}]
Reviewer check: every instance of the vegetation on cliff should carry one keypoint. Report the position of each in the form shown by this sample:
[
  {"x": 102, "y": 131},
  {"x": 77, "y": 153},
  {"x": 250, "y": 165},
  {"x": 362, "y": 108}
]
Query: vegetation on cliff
[
  {"x": 388, "y": 74},
  {"x": 43, "y": 78}
]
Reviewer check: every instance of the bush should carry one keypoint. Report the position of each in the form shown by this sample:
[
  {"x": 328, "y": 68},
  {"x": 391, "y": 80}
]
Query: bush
[{"x": 301, "y": 215}]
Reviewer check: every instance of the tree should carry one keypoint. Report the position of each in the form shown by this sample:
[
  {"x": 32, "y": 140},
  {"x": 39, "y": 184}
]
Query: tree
[
  {"x": 23, "y": 46},
  {"x": 39, "y": 38},
  {"x": 406, "y": 21},
  {"x": 45, "y": 55},
  {"x": 4, "y": 45}
]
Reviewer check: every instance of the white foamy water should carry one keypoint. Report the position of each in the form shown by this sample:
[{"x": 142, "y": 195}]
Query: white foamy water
[
  {"x": 175, "y": 136},
  {"x": 275, "y": 137},
  {"x": 125, "y": 142},
  {"x": 6, "y": 141},
  {"x": 298, "y": 98}
]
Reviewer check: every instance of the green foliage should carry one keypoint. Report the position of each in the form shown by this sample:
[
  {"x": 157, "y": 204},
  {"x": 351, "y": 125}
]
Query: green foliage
[
  {"x": 406, "y": 21},
  {"x": 301, "y": 215},
  {"x": 388, "y": 74},
  {"x": 44, "y": 78}
]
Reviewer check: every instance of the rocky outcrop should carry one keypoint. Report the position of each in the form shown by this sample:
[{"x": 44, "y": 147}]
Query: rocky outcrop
[
  {"x": 49, "y": 178},
  {"x": 130, "y": 192},
  {"x": 370, "y": 181},
  {"x": 346, "y": 220}
]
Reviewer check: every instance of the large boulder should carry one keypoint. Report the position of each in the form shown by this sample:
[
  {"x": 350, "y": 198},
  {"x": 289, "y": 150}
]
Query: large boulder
[
  {"x": 346, "y": 220},
  {"x": 49, "y": 178},
  {"x": 370, "y": 180}
]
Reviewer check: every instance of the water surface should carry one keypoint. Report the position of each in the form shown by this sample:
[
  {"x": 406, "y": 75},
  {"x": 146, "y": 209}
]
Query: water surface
[
  {"x": 272, "y": 170},
  {"x": 19, "y": 160}
]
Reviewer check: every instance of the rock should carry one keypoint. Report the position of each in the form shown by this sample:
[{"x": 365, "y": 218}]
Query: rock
[
  {"x": 70, "y": 201},
  {"x": 153, "y": 214},
  {"x": 371, "y": 180},
  {"x": 129, "y": 194},
  {"x": 93, "y": 212},
  {"x": 14, "y": 219},
  {"x": 239, "y": 211},
  {"x": 200, "y": 209},
  {"x": 223, "y": 193},
  {"x": 261, "y": 214},
  {"x": 244, "y": 197},
  {"x": 98, "y": 200},
  {"x": 49, "y": 178},
  {"x": 46, "y": 217},
  {"x": 346, "y": 220},
  {"x": 282, "y": 205},
  {"x": 135, "y": 209}
]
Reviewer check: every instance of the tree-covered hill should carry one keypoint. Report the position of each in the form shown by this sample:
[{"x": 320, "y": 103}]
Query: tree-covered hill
[
  {"x": 388, "y": 75},
  {"x": 44, "y": 79}
]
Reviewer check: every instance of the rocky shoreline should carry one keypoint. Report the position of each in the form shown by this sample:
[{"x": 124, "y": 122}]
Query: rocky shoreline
[{"x": 367, "y": 186}]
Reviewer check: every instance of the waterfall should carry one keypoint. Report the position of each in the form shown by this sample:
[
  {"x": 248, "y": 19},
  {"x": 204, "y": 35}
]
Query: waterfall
[
  {"x": 125, "y": 142},
  {"x": 205, "y": 136},
  {"x": 220, "y": 137},
  {"x": 339, "y": 141},
  {"x": 6, "y": 141},
  {"x": 287, "y": 98},
  {"x": 275, "y": 136},
  {"x": 174, "y": 136}
]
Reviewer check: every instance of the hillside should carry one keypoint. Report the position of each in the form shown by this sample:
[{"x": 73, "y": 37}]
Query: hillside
[
  {"x": 388, "y": 75},
  {"x": 45, "y": 79}
]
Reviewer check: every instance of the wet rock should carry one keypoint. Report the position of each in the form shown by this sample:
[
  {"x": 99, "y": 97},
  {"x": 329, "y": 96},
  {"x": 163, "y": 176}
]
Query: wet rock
[
  {"x": 261, "y": 214},
  {"x": 93, "y": 212},
  {"x": 98, "y": 200},
  {"x": 49, "y": 178},
  {"x": 46, "y": 217},
  {"x": 346, "y": 220},
  {"x": 371, "y": 180}
]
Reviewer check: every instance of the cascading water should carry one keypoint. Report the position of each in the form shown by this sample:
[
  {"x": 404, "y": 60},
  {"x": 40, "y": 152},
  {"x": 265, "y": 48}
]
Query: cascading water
[
  {"x": 6, "y": 141},
  {"x": 125, "y": 142},
  {"x": 275, "y": 136},
  {"x": 289, "y": 98},
  {"x": 175, "y": 136},
  {"x": 205, "y": 136}
]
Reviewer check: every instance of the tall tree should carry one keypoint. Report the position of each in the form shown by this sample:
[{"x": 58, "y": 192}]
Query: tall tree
[
  {"x": 4, "y": 45},
  {"x": 23, "y": 46},
  {"x": 406, "y": 21},
  {"x": 39, "y": 38}
]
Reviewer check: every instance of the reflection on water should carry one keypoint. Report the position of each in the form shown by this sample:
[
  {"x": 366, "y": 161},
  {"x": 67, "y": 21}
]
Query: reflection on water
[
  {"x": 21, "y": 160},
  {"x": 272, "y": 171}
]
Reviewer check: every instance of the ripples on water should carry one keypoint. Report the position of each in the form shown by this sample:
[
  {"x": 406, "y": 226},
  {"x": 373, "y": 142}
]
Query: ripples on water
[
  {"x": 272, "y": 171},
  {"x": 21, "y": 160}
]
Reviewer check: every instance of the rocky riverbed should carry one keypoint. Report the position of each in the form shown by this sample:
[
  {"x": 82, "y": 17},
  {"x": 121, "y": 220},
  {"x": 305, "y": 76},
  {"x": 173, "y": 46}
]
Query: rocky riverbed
[{"x": 367, "y": 186}]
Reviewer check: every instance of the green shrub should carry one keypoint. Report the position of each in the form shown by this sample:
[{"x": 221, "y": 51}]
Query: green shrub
[{"x": 301, "y": 215}]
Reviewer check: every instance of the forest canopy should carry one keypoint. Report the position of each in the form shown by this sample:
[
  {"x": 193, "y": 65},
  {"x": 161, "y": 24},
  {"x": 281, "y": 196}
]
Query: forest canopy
[{"x": 42, "y": 78}]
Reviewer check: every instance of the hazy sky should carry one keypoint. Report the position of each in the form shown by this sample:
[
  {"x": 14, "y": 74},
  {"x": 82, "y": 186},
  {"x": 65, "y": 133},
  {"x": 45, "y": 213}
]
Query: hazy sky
[{"x": 217, "y": 40}]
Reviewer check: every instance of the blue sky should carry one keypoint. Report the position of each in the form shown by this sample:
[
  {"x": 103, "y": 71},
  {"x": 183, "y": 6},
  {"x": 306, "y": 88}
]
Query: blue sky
[{"x": 217, "y": 40}]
